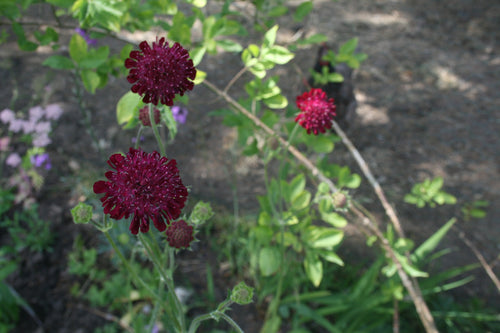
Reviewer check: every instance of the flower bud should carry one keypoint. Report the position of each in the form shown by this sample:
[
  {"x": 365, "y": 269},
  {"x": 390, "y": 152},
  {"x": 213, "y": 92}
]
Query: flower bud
[
  {"x": 242, "y": 294},
  {"x": 82, "y": 213}
]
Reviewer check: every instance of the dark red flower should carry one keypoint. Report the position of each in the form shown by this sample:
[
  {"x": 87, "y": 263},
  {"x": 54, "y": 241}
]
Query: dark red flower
[
  {"x": 179, "y": 234},
  {"x": 160, "y": 72},
  {"x": 144, "y": 116},
  {"x": 147, "y": 186},
  {"x": 317, "y": 111}
]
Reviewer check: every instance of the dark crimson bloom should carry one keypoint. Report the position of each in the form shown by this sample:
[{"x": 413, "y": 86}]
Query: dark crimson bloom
[
  {"x": 147, "y": 186},
  {"x": 144, "y": 116},
  {"x": 317, "y": 111},
  {"x": 160, "y": 72},
  {"x": 179, "y": 234}
]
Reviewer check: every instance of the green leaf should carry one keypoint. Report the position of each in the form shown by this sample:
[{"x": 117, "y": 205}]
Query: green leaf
[
  {"x": 277, "y": 11},
  {"x": 313, "y": 39},
  {"x": 314, "y": 269},
  {"x": 22, "y": 42},
  {"x": 91, "y": 80},
  {"x": 229, "y": 45},
  {"x": 200, "y": 76},
  {"x": 349, "y": 47},
  {"x": 322, "y": 237},
  {"x": 302, "y": 11},
  {"x": 270, "y": 37},
  {"x": 251, "y": 149},
  {"x": 277, "y": 54},
  {"x": 59, "y": 62},
  {"x": 297, "y": 186},
  {"x": 319, "y": 143},
  {"x": 269, "y": 260},
  {"x": 301, "y": 201},
  {"x": 432, "y": 242},
  {"x": 48, "y": 37},
  {"x": 95, "y": 58},
  {"x": 276, "y": 102},
  {"x": 445, "y": 198},
  {"x": 126, "y": 107},
  {"x": 77, "y": 48},
  {"x": 334, "y": 219},
  {"x": 410, "y": 269},
  {"x": 330, "y": 256}
]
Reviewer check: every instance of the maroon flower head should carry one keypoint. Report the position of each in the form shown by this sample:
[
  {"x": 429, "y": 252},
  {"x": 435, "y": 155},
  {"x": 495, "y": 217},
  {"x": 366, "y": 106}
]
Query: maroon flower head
[
  {"x": 160, "y": 72},
  {"x": 179, "y": 234},
  {"x": 317, "y": 111},
  {"x": 144, "y": 116},
  {"x": 147, "y": 186}
]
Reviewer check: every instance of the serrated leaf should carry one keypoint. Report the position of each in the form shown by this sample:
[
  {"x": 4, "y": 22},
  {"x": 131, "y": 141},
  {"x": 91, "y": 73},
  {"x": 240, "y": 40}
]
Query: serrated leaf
[
  {"x": 126, "y": 107},
  {"x": 58, "y": 62}
]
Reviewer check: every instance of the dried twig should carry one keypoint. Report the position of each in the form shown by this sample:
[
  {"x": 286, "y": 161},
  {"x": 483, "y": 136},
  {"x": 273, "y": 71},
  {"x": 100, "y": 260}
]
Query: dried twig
[{"x": 479, "y": 257}]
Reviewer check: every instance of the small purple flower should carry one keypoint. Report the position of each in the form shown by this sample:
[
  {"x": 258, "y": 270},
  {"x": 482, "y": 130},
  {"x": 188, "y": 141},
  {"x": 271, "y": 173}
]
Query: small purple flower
[
  {"x": 7, "y": 115},
  {"x": 86, "y": 36},
  {"x": 39, "y": 160},
  {"x": 53, "y": 111},
  {"x": 36, "y": 113},
  {"x": 13, "y": 160},
  {"x": 43, "y": 127},
  {"x": 41, "y": 140},
  {"x": 28, "y": 126},
  {"x": 180, "y": 114},
  {"x": 16, "y": 125}
]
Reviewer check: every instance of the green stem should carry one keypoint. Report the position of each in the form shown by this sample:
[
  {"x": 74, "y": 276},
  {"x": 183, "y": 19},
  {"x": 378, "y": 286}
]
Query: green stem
[
  {"x": 178, "y": 316},
  {"x": 155, "y": 131},
  {"x": 216, "y": 315}
]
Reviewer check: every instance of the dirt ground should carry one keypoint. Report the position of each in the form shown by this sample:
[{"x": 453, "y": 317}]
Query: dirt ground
[{"x": 428, "y": 105}]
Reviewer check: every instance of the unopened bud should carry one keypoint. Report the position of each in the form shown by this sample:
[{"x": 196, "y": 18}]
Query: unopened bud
[
  {"x": 242, "y": 294},
  {"x": 82, "y": 213}
]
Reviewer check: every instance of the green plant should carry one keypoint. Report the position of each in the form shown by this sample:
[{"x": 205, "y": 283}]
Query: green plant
[{"x": 27, "y": 230}]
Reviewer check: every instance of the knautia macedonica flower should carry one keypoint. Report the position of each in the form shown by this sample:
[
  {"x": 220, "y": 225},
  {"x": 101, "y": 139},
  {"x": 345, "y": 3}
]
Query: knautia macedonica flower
[
  {"x": 179, "y": 234},
  {"x": 160, "y": 72},
  {"x": 317, "y": 111},
  {"x": 144, "y": 116},
  {"x": 145, "y": 185}
]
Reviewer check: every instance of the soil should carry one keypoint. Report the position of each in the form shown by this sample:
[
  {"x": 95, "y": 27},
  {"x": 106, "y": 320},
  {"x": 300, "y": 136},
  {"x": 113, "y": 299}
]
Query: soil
[{"x": 428, "y": 106}]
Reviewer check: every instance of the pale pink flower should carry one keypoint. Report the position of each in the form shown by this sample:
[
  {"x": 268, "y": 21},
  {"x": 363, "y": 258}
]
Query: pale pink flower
[{"x": 13, "y": 160}]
